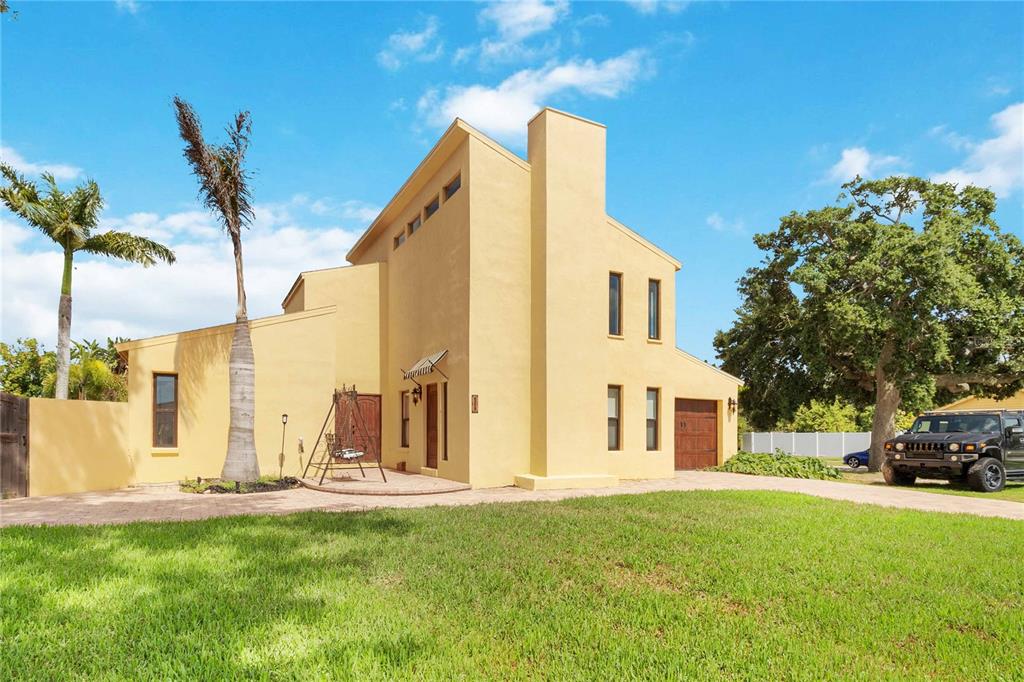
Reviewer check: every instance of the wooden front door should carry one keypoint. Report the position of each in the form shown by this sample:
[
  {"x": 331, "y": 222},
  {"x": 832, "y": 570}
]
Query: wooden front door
[
  {"x": 363, "y": 429},
  {"x": 13, "y": 446},
  {"x": 696, "y": 433},
  {"x": 432, "y": 426}
]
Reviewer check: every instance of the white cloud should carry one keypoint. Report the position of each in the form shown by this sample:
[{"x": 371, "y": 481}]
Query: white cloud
[
  {"x": 129, "y": 6},
  {"x": 719, "y": 224},
  {"x": 856, "y": 161},
  {"x": 997, "y": 87},
  {"x": 112, "y": 298},
  {"x": 422, "y": 45},
  {"x": 504, "y": 110},
  {"x": 60, "y": 171},
  {"x": 352, "y": 210},
  {"x": 998, "y": 162},
  {"x": 655, "y": 6},
  {"x": 517, "y": 21},
  {"x": 463, "y": 54},
  {"x": 589, "y": 21},
  {"x": 955, "y": 140},
  {"x": 514, "y": 23}
]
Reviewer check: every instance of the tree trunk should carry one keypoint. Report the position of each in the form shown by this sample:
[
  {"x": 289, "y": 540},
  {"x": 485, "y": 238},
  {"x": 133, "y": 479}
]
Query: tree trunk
[
  {"x": 887, "y": 402},
  {"x": 241, "y": 462},
  {"x": 64, "y": 330}
]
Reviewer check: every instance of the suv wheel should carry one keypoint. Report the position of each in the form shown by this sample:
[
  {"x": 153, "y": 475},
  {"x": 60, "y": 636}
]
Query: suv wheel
[
  {"x": 895, "y": 477},
  {"x": 987, "y": 475}
]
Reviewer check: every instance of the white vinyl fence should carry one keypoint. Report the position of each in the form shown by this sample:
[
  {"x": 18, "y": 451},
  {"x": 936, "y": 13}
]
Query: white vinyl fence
[{"x": 808, "y": 444}]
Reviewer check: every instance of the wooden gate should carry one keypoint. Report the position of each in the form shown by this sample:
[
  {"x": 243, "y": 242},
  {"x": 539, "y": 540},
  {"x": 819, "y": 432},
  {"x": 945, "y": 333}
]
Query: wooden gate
[
  {"x": 13, "y": 446},
  {"x": 369, "y": 407},
  {"x": 696, "y": 433}
]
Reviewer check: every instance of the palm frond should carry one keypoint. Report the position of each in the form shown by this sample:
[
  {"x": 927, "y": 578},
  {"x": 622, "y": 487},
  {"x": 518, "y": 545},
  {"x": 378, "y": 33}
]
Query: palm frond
[
  {"x": 223, "y": 181},
  {"x": 128, "y": 247},
  {"x": 22, "y": 198},
  {"x": 85, "y": 205}
]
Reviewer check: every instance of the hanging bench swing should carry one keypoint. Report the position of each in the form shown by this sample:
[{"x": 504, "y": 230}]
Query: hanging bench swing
[{"x": 352, "y": 441}]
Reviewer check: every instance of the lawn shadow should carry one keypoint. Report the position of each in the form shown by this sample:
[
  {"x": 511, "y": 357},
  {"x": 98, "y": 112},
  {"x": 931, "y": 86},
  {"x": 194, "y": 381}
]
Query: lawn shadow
[{"x": 237, "y": 580}]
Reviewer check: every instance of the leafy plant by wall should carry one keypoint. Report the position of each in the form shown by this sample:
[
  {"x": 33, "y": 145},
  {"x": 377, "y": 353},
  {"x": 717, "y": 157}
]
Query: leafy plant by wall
[{"x": 778, "y": 463}]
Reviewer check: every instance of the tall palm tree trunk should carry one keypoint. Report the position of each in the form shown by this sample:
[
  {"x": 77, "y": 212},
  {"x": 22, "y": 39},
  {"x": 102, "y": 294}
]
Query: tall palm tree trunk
[
  {"x": 64, "y": 329},
  {"x": 241, "y": 463}
]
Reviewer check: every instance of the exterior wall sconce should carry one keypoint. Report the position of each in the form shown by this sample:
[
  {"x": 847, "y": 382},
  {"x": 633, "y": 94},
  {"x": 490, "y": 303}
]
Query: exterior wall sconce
[
  {"x": 417, "y": 393},
  {"x": 733, "y": 404}
]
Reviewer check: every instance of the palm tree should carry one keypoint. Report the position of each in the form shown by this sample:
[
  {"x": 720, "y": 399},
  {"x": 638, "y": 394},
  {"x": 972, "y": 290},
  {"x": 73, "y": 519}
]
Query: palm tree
[
  {"x": 69, "y": 219},
  {"x": 224, "y": 189}
]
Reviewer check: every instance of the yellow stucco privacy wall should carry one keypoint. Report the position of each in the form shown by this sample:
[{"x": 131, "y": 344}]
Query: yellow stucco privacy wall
[
  {"x": 295, "y": 357},
  {"x": 78, "y": 446}
]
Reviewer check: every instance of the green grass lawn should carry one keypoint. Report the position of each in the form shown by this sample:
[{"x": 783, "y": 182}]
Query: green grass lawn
[
  {"x": 667, "y": 585},
  {"x": 1014, "y": 490}
]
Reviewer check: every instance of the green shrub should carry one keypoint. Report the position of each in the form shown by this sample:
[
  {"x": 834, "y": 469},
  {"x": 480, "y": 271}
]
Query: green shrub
[{"x": 778, "y": 463}]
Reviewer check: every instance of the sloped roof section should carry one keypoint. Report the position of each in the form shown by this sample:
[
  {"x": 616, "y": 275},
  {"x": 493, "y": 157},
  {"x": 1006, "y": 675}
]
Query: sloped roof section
[{"x": 456, "y": 133}]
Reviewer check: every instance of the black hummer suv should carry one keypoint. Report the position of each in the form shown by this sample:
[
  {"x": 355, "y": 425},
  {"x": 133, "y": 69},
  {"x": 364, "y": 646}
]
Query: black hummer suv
[{"x": 983, "y": 447}]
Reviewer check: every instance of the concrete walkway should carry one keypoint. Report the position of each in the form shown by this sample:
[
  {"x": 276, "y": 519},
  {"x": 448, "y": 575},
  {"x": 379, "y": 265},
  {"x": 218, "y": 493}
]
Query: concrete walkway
[{"x": 165, "y": 503}]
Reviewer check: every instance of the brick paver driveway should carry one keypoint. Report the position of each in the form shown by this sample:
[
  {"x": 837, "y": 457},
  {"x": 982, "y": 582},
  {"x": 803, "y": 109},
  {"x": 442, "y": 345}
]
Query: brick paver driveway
[{"x": 165, "y": 503}]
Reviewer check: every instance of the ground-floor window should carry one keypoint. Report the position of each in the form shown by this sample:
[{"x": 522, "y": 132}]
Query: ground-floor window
[
  {"x": 404, "y": 401},
  {"x": 653, "y": 403},
  {"x": 165, "y": 410},
  {"x": 615, "y": 417},
  {"x": 444, "y": 423}
]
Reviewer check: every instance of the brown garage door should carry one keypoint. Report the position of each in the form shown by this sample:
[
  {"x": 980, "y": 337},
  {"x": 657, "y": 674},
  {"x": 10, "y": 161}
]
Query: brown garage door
[{"x": 696, "y": 433}]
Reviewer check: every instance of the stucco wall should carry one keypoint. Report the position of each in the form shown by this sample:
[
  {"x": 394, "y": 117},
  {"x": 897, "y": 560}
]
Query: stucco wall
[
  {"x": 574, "y": 248},
  {"x": 294, "y": 375},
  {"x": 355, "y": 291},
  {"x": 425, "y": 305},
  {"x": 499, "y": 304},
  {"x": 77, "y": 446},
  {"x": 1014, "y": 402}
]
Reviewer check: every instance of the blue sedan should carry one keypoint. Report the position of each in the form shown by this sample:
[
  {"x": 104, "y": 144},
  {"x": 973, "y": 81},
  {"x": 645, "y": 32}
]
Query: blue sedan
[{"x": 856, "y": 459}]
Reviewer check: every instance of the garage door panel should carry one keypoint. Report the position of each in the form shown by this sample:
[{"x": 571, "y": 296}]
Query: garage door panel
[{"x": 696, "y": 433}]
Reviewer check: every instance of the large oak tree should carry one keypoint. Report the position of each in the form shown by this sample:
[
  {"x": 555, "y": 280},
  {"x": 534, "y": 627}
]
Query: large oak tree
[{"x": 902, "y": 291}]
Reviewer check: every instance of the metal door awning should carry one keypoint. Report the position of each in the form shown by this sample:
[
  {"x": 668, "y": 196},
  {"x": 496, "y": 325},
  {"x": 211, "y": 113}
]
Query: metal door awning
[{"x": 425, "y": 365}]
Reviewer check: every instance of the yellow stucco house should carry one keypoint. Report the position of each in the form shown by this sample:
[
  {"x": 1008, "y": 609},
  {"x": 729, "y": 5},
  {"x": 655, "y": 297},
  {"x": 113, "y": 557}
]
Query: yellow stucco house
[
  {"x": 507, "y": 329},
  {"x": 1014, "y": 402}
]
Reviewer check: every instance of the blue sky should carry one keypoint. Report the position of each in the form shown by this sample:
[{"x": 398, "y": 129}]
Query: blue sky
[{"x": 721, "y": 118}]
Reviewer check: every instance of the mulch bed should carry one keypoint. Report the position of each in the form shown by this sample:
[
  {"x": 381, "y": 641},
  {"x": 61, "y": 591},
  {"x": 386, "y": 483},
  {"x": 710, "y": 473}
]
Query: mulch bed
[{"x": 205, "y": 486}]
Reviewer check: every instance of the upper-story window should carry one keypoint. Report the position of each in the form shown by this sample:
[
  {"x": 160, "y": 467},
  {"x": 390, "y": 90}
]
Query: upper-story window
[
  {"x": 399, "y": 239},
  {"x": 431, "y": 208},
  {"x": 414, "y": 225},
  {"x": 615, "y": 303},
  {"x": 452, "y": 187},
  {"x": 653, "y": 309}
]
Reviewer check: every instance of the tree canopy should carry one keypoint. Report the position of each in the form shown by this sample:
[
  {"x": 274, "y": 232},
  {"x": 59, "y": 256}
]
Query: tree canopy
[
  {"x": 902, "y": 292},
  {"x": 96, "y": 372}
]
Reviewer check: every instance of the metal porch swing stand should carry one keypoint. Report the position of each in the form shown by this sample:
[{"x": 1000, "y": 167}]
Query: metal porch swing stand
[{"x": 340, "y": 448}]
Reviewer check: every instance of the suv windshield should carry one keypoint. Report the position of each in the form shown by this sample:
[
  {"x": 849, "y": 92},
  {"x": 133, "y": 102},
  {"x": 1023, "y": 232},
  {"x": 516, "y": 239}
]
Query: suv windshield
[{"x": 956, "y": 423}]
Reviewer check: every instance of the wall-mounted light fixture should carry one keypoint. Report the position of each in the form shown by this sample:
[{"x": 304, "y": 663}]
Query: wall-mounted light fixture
[
  {"x": 417, "y": 393},
  {"x": 733, "y": 404}
]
